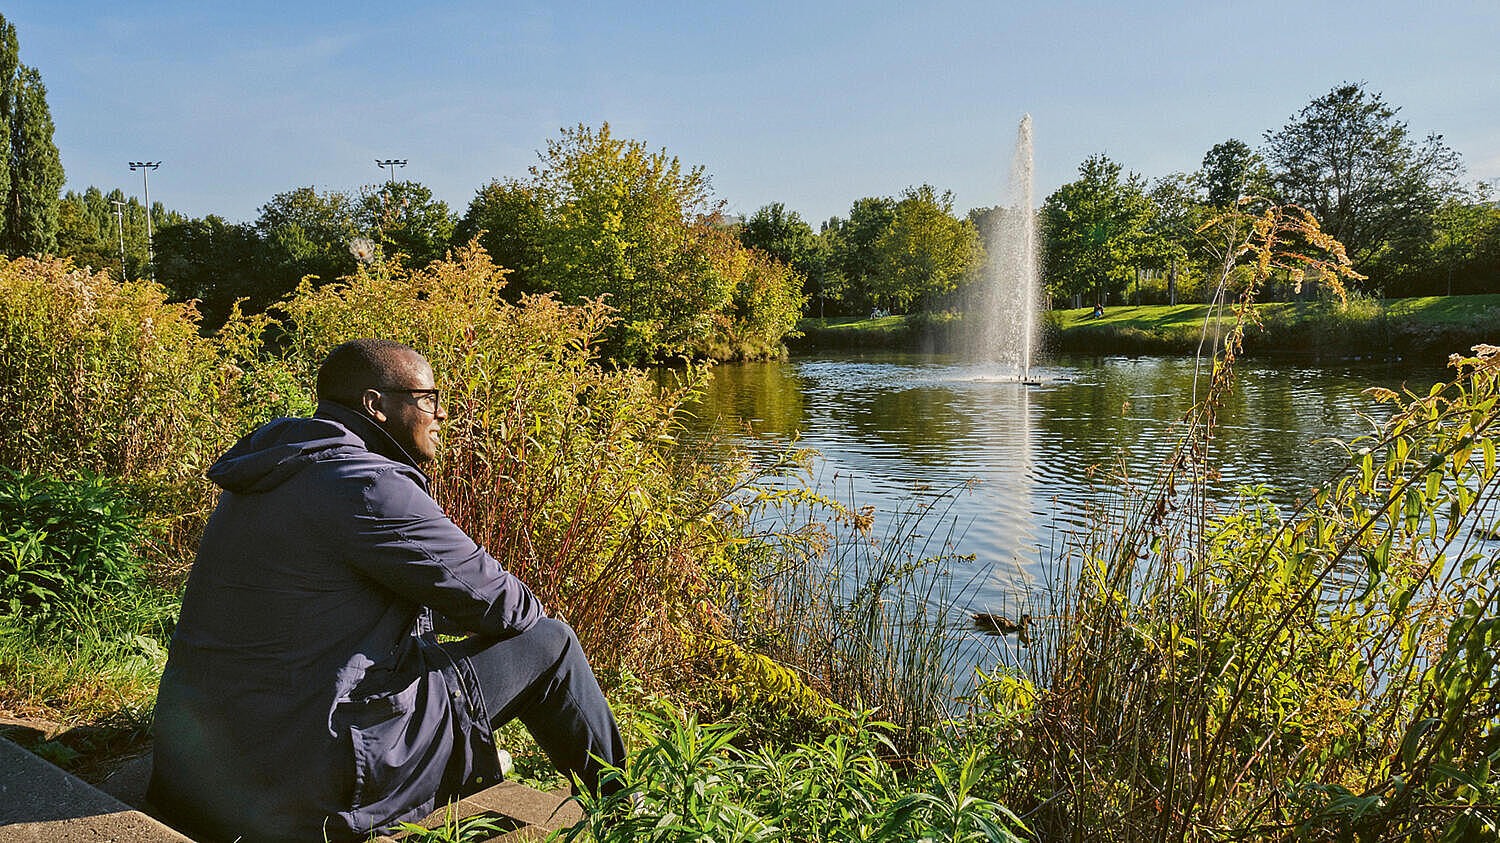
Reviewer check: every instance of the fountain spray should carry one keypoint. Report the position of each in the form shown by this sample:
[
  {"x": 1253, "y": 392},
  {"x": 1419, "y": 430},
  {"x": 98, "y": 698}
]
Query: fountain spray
[{"x": 1010, "y": 299}]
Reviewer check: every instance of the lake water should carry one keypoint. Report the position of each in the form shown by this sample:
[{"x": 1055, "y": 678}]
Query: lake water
[{"x": 894, "y": 429}]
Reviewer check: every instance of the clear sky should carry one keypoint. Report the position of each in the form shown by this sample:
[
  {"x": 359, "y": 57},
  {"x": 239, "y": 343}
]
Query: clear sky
[{"x": 809, "y": 104}]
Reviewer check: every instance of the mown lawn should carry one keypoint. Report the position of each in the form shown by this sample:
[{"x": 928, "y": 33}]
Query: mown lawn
[
  {"x": 1292, "y": 326},
  {"x": 856, "y": 324},
  {"x": 1431, "y": 310}
]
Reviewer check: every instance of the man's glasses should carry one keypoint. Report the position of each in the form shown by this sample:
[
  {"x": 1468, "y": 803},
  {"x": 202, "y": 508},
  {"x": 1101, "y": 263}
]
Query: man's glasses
[{"x": 426, "y": 399}]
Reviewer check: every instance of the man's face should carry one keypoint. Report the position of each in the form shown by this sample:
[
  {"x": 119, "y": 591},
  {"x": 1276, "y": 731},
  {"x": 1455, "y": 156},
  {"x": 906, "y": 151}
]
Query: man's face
[{"x": 406, "y": 416}]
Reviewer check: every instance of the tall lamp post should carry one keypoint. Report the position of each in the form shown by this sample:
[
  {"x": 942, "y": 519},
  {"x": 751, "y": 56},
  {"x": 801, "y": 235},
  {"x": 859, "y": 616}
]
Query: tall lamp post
[
  {"x": 392, "y": 164},
  {"x": 145, "y": 167},
  {"x": 120, "y": 227}
]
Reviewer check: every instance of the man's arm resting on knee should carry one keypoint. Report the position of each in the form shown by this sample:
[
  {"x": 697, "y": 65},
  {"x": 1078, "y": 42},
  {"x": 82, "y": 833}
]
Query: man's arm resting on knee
[{"x": 403, "y": 540}]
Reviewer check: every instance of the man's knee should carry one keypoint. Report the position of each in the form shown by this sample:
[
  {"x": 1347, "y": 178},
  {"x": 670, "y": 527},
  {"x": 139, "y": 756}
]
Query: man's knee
[{"x": 553, "y": 637}]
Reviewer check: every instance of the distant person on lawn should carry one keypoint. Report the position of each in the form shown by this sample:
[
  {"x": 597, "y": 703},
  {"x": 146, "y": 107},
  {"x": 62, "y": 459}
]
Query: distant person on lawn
[{"x": 306, "y": 694}]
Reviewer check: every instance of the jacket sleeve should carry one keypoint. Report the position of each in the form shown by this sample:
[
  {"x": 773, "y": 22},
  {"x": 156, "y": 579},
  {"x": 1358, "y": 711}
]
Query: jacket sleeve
[{"x": 403, "y": 540}]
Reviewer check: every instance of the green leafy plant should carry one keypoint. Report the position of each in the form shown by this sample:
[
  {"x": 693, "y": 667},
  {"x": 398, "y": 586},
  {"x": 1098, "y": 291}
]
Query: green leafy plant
[
  {"x": 65, "y": 546},
  {"x": 689, "y": 782}
]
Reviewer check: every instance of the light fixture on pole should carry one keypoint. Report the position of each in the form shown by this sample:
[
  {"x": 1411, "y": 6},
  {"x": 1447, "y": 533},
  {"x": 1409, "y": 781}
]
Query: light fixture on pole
[
  {"x": 392, "y": 164},
  {"x": 120, "y": 227},
  {"x": 145, "y": 167}
]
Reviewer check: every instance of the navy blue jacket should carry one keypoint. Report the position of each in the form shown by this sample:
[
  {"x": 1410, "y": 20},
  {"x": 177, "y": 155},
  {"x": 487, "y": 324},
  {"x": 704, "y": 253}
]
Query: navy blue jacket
[{"x": 304, "y": 693}]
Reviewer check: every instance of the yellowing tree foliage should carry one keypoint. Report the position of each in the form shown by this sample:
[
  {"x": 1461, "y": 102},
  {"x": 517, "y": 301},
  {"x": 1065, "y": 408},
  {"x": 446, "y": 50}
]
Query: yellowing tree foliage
[{"x": 604, "y": 216}]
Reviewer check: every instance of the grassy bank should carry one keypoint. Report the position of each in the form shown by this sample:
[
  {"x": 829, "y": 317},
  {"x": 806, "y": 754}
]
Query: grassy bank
[{"x": 1431, "y": 325}]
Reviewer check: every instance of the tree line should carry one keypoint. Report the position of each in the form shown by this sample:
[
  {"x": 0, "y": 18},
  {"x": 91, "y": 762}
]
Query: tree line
[{"x": 1396, "y": 201}]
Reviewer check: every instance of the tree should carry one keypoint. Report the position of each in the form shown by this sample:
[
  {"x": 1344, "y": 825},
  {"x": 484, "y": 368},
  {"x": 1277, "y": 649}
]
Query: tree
[
  {"x": 303, "y": 232},
  {"x": 1348, "y": 160},
  {"x": 852, "y": 251},
  {"x": 784, "y": 236},
  {"x": 1177, "y": 211},
  {"x": 617, "y": 215},
  {"x": 506, "y": 216},
  {"x": 33, "y": 172},
  {"x": 10, "y": 62},
  {"x": 1230, "y": 170},
  {"x": 88, "y": 232},
  {"x": 1094, "y": 230},
  {"x": 215, "y": 262},
  {"x": 602, "y": 216},
  {"x": 404, "y": 217},
  {"x": 1465, "y": 254},
  {"x": 924, "y": 252}
]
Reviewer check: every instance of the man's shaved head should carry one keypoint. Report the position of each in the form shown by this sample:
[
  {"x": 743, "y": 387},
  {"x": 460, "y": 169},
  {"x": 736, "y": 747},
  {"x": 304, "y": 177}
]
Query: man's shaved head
[{"x": 363, "y": 364}]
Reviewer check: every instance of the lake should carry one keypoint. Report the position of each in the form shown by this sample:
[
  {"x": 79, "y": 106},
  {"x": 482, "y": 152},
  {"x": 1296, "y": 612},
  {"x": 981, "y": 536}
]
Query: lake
[{"x": 1008, "y": 467}]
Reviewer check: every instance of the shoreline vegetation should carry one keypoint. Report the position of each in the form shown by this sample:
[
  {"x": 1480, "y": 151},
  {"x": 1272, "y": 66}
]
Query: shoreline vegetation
[
  {"x": 783, "y": 660},
  {"x": 1431, "y": 326}
]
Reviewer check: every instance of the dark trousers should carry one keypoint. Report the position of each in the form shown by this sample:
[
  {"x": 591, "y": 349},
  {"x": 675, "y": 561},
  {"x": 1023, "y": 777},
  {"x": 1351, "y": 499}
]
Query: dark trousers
[{"x": 543, "y": 677}]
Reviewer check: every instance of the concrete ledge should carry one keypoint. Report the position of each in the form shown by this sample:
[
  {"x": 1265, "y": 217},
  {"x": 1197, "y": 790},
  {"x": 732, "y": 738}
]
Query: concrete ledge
[
  {"x": 40, "y": 802},
  {"x": 521, "y": 814}
]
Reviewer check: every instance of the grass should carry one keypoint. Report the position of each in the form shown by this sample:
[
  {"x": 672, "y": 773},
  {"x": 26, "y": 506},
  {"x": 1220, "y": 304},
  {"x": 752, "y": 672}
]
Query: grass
[
  {"x": 102, "y": 666},
  {"x": 1430, "y": 310},
  {"x": 1363, "y": 326}
]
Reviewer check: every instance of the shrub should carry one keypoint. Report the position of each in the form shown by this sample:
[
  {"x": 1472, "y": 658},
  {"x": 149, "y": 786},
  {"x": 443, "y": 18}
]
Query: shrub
[
  {"x": 65, "y": 546},
  {"x": 110, "y": 378}
]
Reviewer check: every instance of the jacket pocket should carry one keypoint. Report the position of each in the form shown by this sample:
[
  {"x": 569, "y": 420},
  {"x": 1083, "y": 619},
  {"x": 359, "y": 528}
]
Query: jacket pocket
[{"x": 387, "y": 742}]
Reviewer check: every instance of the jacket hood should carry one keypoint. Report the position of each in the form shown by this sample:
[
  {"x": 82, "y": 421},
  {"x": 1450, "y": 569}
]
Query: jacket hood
[{"x": 278, "y": 449}]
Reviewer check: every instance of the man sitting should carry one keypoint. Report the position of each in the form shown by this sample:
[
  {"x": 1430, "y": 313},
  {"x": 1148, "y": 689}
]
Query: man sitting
[{"x": 305, "y": 693}]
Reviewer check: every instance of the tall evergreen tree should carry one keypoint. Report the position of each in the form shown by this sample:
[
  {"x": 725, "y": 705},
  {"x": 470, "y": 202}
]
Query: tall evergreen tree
[
  {"x": 31, "y": 171},
  {"x": 36, "y": 173},
  {"x": 10, "y": 60}
]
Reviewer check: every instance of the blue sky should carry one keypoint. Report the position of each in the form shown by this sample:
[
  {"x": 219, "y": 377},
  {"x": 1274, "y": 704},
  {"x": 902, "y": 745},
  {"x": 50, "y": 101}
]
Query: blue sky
[{"x": 813, "y": 105}]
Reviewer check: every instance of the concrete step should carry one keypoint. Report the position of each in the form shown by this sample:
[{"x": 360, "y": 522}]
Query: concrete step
[
  {"x": 520, "y": 813},
  {"x": 43, "y": 803}
]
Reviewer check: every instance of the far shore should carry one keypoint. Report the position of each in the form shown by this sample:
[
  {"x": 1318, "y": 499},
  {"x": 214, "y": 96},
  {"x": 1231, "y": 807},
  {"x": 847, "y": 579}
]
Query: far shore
[{"x": 1433, "y": 326}]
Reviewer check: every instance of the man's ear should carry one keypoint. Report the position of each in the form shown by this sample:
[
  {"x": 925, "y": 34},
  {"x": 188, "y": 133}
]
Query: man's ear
[{"x": 373, "y": 403}]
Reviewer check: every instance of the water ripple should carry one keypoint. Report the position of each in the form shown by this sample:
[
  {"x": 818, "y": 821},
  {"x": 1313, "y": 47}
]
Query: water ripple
[{"x": 896, "y": 427}]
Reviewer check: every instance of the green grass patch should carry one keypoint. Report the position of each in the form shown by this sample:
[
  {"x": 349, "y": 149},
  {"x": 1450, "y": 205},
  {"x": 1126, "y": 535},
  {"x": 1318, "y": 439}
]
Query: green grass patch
[
  {"x": 1440, "y": 324},
  {"x": 857, "y": 324},
  {"x": 101, "y": 668},
  {"x": 1429, "y": 310}
]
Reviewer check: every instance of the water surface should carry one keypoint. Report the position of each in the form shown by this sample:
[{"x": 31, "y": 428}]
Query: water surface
[{"x": 896, "y": 428}]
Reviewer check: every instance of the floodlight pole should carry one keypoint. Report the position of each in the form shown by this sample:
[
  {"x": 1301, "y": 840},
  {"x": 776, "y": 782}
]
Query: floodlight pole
[
  {"x": 145, "y": 167},
  {"x": 391, "y": 164},
  {"x": 120, "y": 227}
]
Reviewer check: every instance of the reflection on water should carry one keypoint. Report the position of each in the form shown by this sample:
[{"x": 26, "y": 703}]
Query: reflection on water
[{"x": 891, "y": 427}]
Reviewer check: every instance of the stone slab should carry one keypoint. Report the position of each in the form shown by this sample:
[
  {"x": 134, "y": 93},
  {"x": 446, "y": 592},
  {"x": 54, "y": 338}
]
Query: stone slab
[
  {"x": 525, "y": 814},
  {"x": 41, "y": 802},
  {"x": 549, "y": 811}
]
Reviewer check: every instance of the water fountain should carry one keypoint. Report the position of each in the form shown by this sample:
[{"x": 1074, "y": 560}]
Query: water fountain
[{"x": 1008, "y": 298}]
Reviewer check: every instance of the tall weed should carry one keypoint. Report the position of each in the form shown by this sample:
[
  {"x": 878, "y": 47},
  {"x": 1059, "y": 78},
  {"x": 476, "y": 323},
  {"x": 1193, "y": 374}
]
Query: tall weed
[{"x": 112, "y": 379}]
